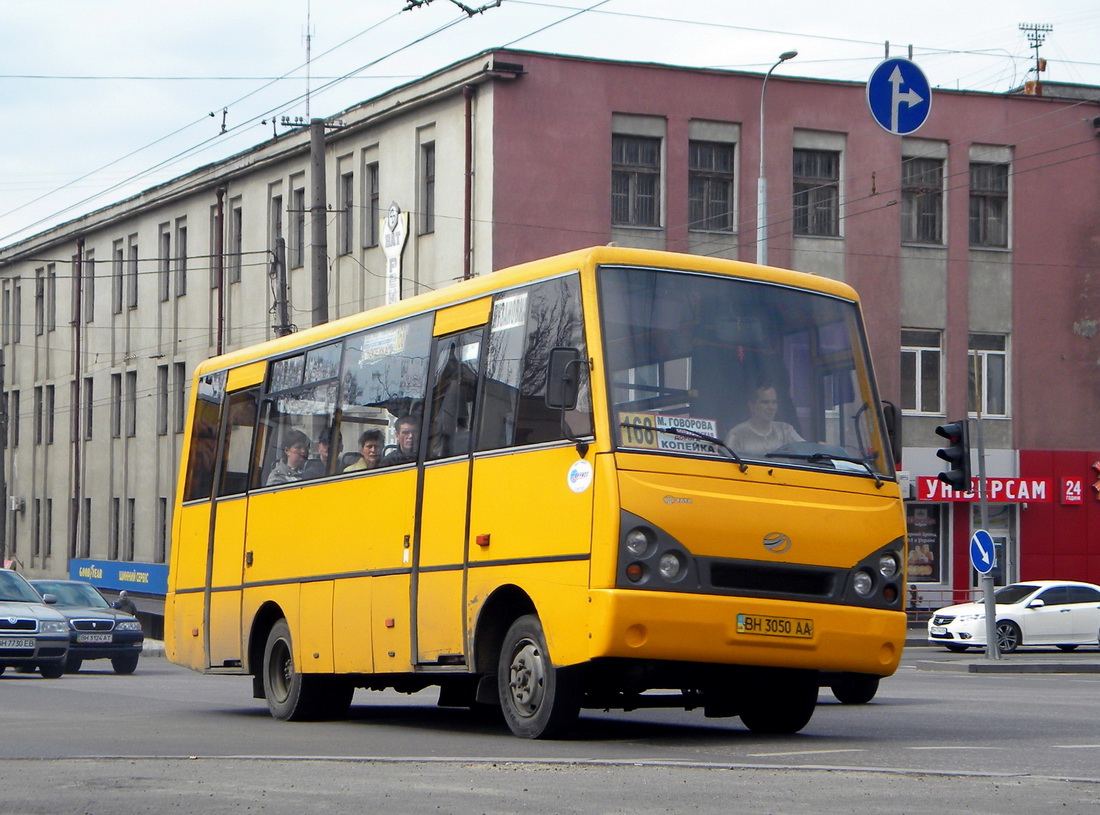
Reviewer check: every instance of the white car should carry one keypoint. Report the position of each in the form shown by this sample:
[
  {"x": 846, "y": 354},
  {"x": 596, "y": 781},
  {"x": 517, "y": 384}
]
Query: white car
[{"x": 1064, "y": 613}]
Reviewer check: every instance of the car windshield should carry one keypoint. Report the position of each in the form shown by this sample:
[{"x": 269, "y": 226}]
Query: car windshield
[
  {"x": 14, "y": 588},
  {"x": 1009, "y": 595},
  {"x": 717, "y": 367},
  {"x": 79, "y": 595}
]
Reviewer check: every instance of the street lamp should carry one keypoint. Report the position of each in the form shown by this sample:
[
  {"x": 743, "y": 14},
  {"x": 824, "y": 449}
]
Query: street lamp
[{"x": 762, "y": 182}]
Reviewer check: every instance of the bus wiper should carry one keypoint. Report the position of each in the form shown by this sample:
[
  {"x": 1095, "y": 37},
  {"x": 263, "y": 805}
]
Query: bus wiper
[
  {"x": 829, "y": 457},
  {"x": 693, "y": 434}
]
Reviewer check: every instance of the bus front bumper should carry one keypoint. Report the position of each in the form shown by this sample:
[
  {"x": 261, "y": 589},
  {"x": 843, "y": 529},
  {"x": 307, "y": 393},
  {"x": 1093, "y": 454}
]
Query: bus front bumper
[{"x": 656, "y": 625}]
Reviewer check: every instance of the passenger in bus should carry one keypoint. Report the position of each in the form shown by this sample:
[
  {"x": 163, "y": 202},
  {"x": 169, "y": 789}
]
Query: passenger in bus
[
  {"x": 761, "y": 433},
  {"x": 295, "y": 455},
  {"x": 406, "y": 443},
  {"x": 319, "y": 467},
  {"x": 370, "y": 451}
]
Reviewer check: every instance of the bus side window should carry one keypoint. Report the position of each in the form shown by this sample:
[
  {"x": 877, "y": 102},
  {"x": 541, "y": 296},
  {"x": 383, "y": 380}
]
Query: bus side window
[
  {"x": 526, "y": 325},
  {"x": 238, "y": 442},
  {"x": 202, "y": 452}
]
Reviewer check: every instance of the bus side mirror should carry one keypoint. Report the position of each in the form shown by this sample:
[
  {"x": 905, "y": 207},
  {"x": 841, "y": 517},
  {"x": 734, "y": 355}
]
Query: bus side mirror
[
  {"x": 563, "y": 378},
  {"x": 891, "y": 417}
]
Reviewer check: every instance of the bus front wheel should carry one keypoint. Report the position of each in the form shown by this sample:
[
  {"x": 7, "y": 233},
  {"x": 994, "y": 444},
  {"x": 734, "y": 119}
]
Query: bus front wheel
[
  {"x": 539, "y": 701},
  {"x": 779, "y": 702}
]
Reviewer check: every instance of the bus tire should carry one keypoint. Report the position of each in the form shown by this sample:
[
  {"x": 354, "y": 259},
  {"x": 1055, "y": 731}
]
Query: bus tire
[
  {"x": 538, "y": 700},
  {"x": 779, "y": 702},
  {"x": 855, "y": 689},
  {"x": 291, "y": 696}
]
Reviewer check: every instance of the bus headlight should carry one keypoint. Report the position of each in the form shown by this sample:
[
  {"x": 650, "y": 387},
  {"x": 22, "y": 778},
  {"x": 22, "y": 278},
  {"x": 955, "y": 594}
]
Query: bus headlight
[
  {"x": 863, "y": 583},
  {"x": 638, "y": 541},
  {"x": 670, "y": 566},
  {"x": 888, "y": 565}
]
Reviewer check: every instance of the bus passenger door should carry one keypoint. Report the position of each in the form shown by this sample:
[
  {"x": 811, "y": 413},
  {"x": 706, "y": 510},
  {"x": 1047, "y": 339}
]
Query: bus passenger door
[
  {"x": 439, "y": 569},
  {"x": 227, "y": 532}
]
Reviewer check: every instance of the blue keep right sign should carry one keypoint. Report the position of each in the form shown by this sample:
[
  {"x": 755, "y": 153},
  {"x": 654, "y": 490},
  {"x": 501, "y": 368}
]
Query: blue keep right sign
[
  {"x": 899, "y": 96},
  {"x": 982, "y": 554}
]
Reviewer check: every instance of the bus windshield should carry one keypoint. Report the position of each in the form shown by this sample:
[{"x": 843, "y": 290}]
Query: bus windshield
[{"x": 711, "y": 366}]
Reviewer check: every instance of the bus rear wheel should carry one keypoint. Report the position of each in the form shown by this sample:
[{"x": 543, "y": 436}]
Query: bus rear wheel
[
  {"x": 779, "y": 702},
  {"x": 539, "y": 701},
  {"x": 293, "y": 696}
]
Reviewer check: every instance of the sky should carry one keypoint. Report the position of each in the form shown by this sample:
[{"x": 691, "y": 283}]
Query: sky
[{"x": 105, "y": 98}]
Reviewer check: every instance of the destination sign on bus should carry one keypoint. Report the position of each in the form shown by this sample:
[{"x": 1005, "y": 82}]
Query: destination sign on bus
[{"x": 640, "y": 430}]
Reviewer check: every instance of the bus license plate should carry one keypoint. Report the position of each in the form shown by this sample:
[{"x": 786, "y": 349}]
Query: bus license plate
[
  {"x": 94, "y": 638},
  {"x": 11, "y": 642},
  {"x": 775, "y": 626}
]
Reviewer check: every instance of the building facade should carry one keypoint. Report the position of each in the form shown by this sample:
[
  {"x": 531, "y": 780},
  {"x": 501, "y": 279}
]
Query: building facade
[{"x": 974, "y": 243}]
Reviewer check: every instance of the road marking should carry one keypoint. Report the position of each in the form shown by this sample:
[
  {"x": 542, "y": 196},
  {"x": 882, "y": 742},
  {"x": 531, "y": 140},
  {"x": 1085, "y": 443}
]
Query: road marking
[
  {"x": 957, "y": 747},
  {"x": 1077, "y": 746},
  {"x": 807, "y": 753}
]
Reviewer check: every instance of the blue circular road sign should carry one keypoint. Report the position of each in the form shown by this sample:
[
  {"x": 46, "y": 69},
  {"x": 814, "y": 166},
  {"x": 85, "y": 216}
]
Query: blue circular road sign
[
  {"x": 899, "y": 96},
  {"x": 982, "y": 554}
]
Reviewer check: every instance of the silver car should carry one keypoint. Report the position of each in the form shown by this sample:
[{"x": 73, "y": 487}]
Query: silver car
[{"x": 32, "y": 634}]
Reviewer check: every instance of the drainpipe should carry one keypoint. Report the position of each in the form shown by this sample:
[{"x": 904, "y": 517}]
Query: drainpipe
[
  {"x": 78, "y": 368},
  {"x": 219, "y": 264},
  {"x": 468, "y": 93}
]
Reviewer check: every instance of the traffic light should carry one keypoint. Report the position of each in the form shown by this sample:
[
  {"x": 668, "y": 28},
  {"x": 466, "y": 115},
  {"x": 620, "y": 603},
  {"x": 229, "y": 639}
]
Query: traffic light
[{"x": 956, "y": 454}]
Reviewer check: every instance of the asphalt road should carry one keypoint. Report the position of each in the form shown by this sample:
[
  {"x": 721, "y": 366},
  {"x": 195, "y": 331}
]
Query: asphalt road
[{"x": 938, "y": 738}]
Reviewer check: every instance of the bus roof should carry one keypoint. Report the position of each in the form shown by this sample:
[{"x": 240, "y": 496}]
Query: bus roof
[{"x": 518, "y": 275}]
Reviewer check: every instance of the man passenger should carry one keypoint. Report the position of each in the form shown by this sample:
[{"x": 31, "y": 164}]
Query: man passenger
[{"x": 405, "y": 453}]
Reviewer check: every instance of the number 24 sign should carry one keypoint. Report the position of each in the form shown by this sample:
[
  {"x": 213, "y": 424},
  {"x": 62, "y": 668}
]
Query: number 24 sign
[{"x": 1073, "y": 490}]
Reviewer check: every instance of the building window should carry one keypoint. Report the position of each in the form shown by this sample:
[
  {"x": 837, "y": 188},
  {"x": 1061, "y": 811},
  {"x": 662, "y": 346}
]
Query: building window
[
  {"x": 116, "y": 405},
  {"x": 51, "y": 298},
  {"x": 37, "y": 420},
  {"x": 118, "y": 270},
  {"x": 370, "y": 228},
  {"x": 181, "y": 257},
  {"x": 48, "y": 411},
  {"x": 131, "y": 404},
  {"x": 347, "y": 210},
  {"x": 635, "y": 181},
  {"x": 89, "y": 396},
  {"x": 988, "y": 374},
  {"x": 921, "y": 371},
  {"x": 88, "y": 295},
  {"x": 132, "y": 275},
  {"x": 427, "y": 169},
  {"x": 47, "y": 526},
  {"x": 13, "y": 418},
  {"x": 179, "y": 389},
  {"x": 162, "y": 400},
  {"x": 710, "y": 186},
  {"x": 6, "y": 337},
  {"x": 86, "y": 530},
  {"x": 817, "y": 193},
  {"x": 275, "y": 224},
  {"x": 989, "y": 205},
  {"x": 160, "y": 552},
  {"x": 922, "y": 200},
  {"x": 298, "y": 228},
  {"x": 236, "y": 229},
  {"x": 131, "y": 523},
  {"x": 115, "y": 529},
  {"x": 39, "y": 301},
  {"x": 164, "y": 262}
]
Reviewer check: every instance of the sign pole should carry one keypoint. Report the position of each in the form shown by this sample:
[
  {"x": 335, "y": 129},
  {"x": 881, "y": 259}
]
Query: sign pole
[{"x": 992, "y": 649}]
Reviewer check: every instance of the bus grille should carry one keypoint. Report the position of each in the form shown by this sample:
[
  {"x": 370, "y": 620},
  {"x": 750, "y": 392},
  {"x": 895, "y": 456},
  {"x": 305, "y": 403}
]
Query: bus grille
[{"x": 765, "y": 579}]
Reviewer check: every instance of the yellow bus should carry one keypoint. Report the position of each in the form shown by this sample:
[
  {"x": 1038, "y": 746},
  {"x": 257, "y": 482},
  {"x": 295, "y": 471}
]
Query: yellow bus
[{"x": 609, "y": 479}]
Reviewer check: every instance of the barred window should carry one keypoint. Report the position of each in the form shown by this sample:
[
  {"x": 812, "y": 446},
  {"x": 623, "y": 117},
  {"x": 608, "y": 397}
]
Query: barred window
[
  {"x": 817, "y": 193},
  {"x": 989, "y": 205},
  {"x": 710, "y": 186},
  {"x": 635, "y": 181},
  {"x": 922, "y": 200}
]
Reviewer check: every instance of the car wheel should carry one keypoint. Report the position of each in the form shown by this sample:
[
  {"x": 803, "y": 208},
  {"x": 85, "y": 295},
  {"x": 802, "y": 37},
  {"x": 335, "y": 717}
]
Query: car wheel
[
  {"x": 955, "y": 648},
  {"x": 52, "y": 670},
  {"x": 539, "y": 701},
  {"x": 779, "y": 702},
  {"x": 2, "y": 669},
  {"x": 1008, "y": 636},
  {"x": 125, "y": 664},
  {"x": 1067, "y": 647},
  {"x": 855, "y": 689},
  {"x": 72, "y": 665}
]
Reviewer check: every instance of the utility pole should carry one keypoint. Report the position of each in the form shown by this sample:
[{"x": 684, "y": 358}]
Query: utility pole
[
  {"x": 219, "y": 265},
  {"x": 1036, "y": 34},
  {"x": 278, "y": 271},
  {"x": 3, "y": 465},
  {"x": 318, "y": 222}
]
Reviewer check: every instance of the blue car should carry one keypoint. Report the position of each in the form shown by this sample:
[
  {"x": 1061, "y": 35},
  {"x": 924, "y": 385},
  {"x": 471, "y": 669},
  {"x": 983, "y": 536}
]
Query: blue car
[{"x": 97, "y": 630}]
